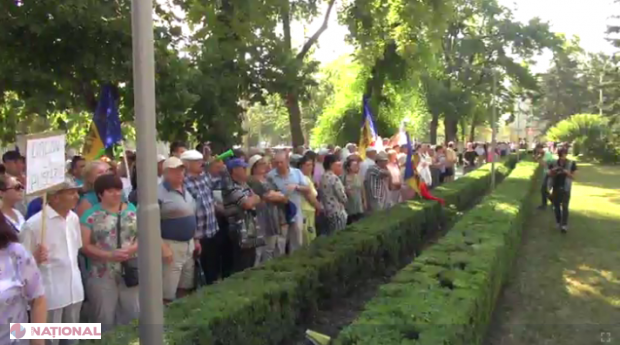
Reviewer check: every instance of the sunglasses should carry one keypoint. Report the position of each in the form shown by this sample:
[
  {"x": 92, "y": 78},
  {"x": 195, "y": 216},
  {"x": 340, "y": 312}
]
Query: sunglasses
[{"x": 17, "y": 188}]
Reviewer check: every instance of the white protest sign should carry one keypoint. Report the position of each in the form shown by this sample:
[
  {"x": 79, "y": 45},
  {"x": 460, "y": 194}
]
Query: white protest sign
[{"x": 45, "y": 161}]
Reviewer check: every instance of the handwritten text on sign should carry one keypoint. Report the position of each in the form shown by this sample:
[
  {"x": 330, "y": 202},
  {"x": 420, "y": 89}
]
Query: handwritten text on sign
[{"x": 45, "y": 158}]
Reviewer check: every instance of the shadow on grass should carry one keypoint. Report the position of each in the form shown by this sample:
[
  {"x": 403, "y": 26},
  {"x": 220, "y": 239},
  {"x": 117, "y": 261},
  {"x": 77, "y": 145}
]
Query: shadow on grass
[{"x": 565, "y": 289}]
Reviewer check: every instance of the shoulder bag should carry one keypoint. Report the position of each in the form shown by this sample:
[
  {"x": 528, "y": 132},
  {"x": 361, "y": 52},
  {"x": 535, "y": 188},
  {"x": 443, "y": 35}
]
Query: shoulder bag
[{"x": 129, "y": 268}]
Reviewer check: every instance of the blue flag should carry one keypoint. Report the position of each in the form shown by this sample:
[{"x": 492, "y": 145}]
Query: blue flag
[{"x": 107, "y": 118}]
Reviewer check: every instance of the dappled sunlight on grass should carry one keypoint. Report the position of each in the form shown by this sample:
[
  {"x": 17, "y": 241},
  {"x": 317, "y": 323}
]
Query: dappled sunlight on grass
[{"x": 586, "y": 282}]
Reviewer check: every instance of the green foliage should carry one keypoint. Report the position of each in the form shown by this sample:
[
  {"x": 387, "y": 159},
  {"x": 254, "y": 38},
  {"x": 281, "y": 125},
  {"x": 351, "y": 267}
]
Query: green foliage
[
  {"x": 590, "y": 134},
  {"x": 447, "y": 295},
  {"x": 483, "y": 40},
  {"x": 263, "y": 305},
  {"x": 341, "y": 119}
]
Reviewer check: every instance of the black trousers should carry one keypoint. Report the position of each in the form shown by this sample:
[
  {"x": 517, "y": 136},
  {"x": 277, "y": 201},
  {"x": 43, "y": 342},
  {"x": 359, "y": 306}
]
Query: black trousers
[
  {"x": 217, "y": 254},
  {"x": 561, "y": 200},
  {"x": 352, "y": 218},
  {"x": 544, "y": 191}
]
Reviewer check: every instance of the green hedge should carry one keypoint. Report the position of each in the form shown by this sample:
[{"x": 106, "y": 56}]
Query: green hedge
[
  {"x": 447, "y": 295},
  {"x": 264, "y": 305}
]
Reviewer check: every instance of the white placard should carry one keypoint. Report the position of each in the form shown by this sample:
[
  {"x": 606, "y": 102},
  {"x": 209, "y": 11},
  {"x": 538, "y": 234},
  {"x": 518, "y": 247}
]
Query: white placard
[{"x": 45, "y": 162}]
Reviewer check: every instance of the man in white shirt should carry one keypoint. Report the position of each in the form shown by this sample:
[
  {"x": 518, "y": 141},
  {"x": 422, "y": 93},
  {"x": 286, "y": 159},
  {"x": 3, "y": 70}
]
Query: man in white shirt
[
  {"x": 57, "y": 255},
  {"x": 371, "y": 155}
]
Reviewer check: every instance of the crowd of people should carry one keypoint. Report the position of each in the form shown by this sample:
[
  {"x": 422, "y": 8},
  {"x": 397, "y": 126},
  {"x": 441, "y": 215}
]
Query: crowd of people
[{"x": 75, "y": 258}]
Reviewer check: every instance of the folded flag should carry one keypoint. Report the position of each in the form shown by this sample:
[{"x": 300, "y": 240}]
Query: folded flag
[{"x": 315, "y": 338}]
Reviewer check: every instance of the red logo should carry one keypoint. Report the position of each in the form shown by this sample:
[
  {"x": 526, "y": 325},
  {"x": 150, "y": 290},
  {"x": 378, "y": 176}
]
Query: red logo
[{"x": 18, "y": 331}]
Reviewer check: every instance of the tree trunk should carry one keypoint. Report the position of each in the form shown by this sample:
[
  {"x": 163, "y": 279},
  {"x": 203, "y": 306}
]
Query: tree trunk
[
  {"x": 451, "y": 128},
  {"x": 294, "y": 112},
  {"x": 463, "y": 130},
  {"x": 472, "y": 132},
  {"x": 433, "y": 133},
  {"x": 292, "y": 95},
  {"x": 378, "y": 75}
]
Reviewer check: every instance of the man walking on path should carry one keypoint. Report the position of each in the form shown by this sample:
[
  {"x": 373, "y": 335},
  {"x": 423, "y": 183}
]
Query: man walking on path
[
  {"x": 544, "y": 157},
  {"x": 562, "y": 173}
]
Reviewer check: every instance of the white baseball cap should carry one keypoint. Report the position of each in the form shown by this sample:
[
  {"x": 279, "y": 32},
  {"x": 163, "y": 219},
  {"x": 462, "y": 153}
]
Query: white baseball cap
[
  {"x": 172, "y": 163},
  {"x": 191, "y": 155}
]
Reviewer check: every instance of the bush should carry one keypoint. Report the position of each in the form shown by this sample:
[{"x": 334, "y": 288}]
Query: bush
[
  {"x": 264, "y": 305},
  {"x": 447, "y": 295},
  {"x": 591, "y": 135}
]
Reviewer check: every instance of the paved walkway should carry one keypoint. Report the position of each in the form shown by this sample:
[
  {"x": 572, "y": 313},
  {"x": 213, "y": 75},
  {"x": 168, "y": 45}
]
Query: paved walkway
[{"x": 565, "y": 289}]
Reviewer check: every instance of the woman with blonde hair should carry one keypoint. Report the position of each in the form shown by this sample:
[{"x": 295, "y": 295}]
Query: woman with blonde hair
[{"x": 92, "y": 170}]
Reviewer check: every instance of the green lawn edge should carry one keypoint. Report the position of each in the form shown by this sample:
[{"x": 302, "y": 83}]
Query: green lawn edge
[
  {"x": 264, "y": 305},
  {"x": 448, "y": 294}
]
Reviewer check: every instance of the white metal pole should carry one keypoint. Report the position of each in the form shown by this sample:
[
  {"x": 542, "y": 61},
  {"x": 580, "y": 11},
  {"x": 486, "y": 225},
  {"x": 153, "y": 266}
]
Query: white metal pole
[
  {"x": 494, "y": 130},
  {"x": 149, "y": 247}
]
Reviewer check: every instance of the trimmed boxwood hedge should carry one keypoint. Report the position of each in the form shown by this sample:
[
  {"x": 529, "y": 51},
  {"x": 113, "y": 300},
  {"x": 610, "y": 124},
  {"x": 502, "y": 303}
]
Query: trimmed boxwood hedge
[
  {"x": 264, "y": 305},
  {"x": 447, "y": 295}
]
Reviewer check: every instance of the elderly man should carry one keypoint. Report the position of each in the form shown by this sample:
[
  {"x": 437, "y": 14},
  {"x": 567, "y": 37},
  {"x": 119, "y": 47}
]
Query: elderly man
[
  {"x": 292, "y": 183},
  {"x": 211, "y": 237},
  {"x": 56, "y": 254},
  {"x": 240, "y": 204},
  {"x": 178, "y": 230},
  {"x": 377, "y": 182},
  {"x": 371, "y": 154}
]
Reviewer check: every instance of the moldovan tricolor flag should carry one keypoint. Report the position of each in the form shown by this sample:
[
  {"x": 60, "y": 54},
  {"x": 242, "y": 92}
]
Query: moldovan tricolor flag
[{"x": 368, "y": 134}]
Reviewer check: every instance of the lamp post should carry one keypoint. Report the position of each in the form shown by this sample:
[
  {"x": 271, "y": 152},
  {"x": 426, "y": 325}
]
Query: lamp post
[
  {"x": 493, "y": 129},
  {"x": 149, "y": 250}
]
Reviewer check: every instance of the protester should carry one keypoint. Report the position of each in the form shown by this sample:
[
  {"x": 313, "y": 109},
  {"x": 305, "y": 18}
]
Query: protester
[
  {"x": 15, "y": 167},
  {"x": 219, "y": 181},
  {"x": 424, "y": 165},
  {"x": 214, "y": 241},
  {"x": 469, "y": 159},
  {"x": 177, "y": 148},
  {"x": 376, "y": 183},
  {"x": 292, "y": 183},
  {"x": 57, "y": 255},
  {"x": 160, "y": 168},
  {"x": 440, "y": 163},
  {"x": 310, "y": 204},
  {"x": 354, "y": 186},
  {"x": 334, "y": 197},
  {"x": 451, "y": 161},
  {"x": 21, "y": 285},
  {"x": 318, "y": 167},
  {"x": 75, "y": 169},
  {"x": 11, "y": 194},
  {"x": 270, "y": 212},
  {"x": 110, "y": 234},
  {"x": 91, "y": 172},
  {"x": 562, "y": 173},
  {"x": 544, "y": 158},
  {"x": 394, "y": 169},
  {"x": 178, "y": 229},
  {"x": 240, "y": 205},
  {"x": 369, "y": 161}
]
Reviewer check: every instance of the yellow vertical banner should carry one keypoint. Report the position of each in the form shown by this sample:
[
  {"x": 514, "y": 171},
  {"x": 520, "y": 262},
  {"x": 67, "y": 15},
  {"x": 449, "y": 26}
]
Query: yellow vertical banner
[{"x": 92, "y": 144}]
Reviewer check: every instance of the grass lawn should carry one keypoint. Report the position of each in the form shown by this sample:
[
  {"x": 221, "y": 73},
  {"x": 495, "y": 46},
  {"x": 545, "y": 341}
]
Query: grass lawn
[{"x": 565, "y": 289}]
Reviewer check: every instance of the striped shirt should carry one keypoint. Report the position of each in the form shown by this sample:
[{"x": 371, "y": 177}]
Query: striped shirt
[
  {"x": 178, "y": 214},
  {"x": 376, "y": 184},
  {"x": 198, "y": 187}
]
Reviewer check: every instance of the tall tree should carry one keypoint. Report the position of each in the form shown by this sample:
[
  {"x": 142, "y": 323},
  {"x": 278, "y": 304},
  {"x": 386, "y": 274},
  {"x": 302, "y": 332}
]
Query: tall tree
[
  {"x": 56, "y": 54},
  {"x": 482, "y": 46}
]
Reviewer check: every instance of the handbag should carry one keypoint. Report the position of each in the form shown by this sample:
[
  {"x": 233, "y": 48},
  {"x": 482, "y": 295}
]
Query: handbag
[
  {"x": 129, "y": 268},
  {"x": 199, "y": 275}
]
